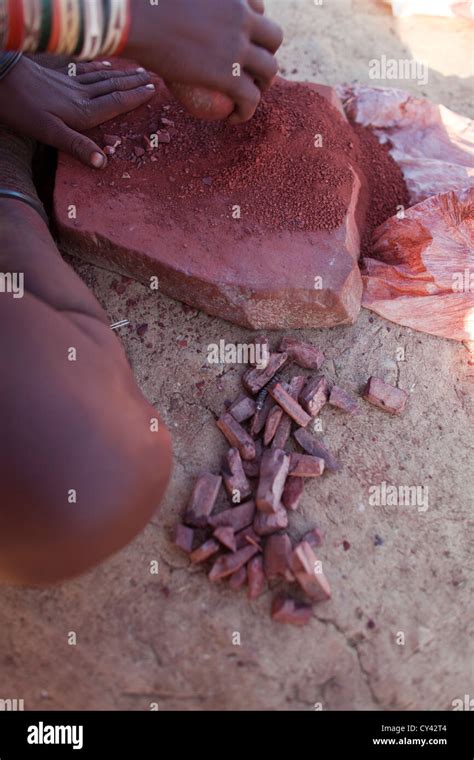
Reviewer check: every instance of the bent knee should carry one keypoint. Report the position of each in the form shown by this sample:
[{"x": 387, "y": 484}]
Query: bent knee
[{"x": 64, "y": 520}]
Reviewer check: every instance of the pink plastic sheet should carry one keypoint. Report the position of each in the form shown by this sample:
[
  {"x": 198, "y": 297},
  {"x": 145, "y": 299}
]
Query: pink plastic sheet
[
  {"x": 448, "y": 8},
  {"x": 433, "y": 146},
  {"x": 421, "y": 271}
]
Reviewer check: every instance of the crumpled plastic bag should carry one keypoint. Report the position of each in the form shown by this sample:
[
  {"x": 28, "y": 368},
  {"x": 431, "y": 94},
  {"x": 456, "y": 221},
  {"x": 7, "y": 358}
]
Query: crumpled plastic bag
[
  {"x": 421, "y": 272},
  {"x": 447, "y": 8},
  {"x": 433, "y": 145}
]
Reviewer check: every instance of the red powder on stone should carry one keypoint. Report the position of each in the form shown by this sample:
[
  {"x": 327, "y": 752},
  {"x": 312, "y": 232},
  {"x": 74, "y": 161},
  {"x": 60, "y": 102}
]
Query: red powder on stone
[
  {"x": 278, "y": 175},
  {"x": 387, "y": 188},
  {"x": 270, "y": 167}
]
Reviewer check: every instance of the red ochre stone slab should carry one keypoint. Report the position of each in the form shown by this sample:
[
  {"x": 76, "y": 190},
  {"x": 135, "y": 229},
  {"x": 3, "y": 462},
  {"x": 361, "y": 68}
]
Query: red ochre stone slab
[{"x": 155, "y": 217}]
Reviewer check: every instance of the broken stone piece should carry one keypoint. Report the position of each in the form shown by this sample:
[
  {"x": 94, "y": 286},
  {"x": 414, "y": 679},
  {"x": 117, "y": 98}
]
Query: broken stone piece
[
  {"x": 289, "y": 405},
  {"x": 292, "y": 493},
  {"x": 256, "y": 379},
  {"x": 163, "y": 136},
  {"x": 112, "y": 140},
  {"x": 256, "y": 577},
  {"x": 252, "y": 468},
  {"x": 288, "y": 610},
  {"x": 238, "y": 579},
  {"x": 243, "y": 408},
  {"x": 277, "y": 557},
  {"x": 308, "y": 574},
  {"x": 234, "y": 477},
  {"x": 237, "y": 436},
  {"x": 206, "y": 550},
  {"x": 230, "y": 563},
  {"x": 305, "y": 466},
  {"x": 316, "y": 448},
  {"x": 387, "y": 397},
  {"x": 314, "y": 537},
  {"x": 273, "y": 471},
  {"x": 202, "y": 500},
  {"x": 265, "y": 524},
  {"x": 235, "y": 517},
  {"x": 343, "y": 400},
  {"x": 261, "y": 414},
  {"x": 183, "y": 538},
  {"x": 225, "y": 535},
  {"x": 284, "y": 428},
  {"x": 303, "y": 354},
  {"x": 314, "y": 395},
  {"x": 245, "y": 537},
  {"x": 272, "y": 422}
]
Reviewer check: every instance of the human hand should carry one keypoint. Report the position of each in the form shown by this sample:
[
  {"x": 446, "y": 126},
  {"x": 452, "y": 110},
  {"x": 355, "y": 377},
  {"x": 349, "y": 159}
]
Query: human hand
[{"x": 227, "y": 46}]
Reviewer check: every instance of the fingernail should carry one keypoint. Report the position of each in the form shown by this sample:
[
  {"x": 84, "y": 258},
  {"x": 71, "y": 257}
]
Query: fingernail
[
  {"x": 106, "y": 63},
  {"x": 150, "y": 86},
  {"x": 98, "y": 160},
  {"x": 141, "y": 70}
]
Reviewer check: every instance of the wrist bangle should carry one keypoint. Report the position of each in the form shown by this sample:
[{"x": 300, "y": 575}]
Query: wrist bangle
[
  {"x": 79, "y": 28},
  {"x": 118, "y": 27},
  {"x": 7, "y": 62},
  {"x": 93, "y": 29},
  {"x": 70, "y": 26},
  {"x": 3, "y": 25},
  {"x": 32, "y": 15},
  {"x": 80, "y": 15},
  {"x": 45, "y": 25},
  {"x": 16, "y": 25},
  {"x": 31, "y": 202},
  {"x": 54, "y": 35},
  {"x": 126, "y": 28}
]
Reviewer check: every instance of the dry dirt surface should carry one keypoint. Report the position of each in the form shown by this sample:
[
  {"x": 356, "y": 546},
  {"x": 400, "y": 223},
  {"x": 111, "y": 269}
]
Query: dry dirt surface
[{"x": 396, "y": 634}]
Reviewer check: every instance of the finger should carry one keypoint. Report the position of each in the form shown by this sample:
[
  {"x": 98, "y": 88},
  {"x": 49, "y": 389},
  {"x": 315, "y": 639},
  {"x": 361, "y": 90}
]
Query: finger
[
  {"x": 81, "y": 147},
  {"x": 266, "y": 33},
  {"x": 88, "y": 66},
  {"x": 262, "y": 66},
  {"x": 246, "y": 97},
  {"x": 257, "y": 6},
  {"x": 118, "y": 102},
  {"x": 104, "y": 75},
  {"x": 118, "y": 84}
]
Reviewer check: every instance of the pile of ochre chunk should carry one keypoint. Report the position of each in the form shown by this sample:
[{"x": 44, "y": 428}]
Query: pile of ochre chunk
[{"x": 247, "y": 541}]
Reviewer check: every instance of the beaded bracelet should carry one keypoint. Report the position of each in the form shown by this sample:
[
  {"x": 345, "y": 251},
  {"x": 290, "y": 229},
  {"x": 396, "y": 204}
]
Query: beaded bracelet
[{"x": 84, "y": 29}]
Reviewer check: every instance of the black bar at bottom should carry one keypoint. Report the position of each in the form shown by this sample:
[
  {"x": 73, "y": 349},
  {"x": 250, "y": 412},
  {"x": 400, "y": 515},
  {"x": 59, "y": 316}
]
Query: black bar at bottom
[{"x": 161, "y": 734}]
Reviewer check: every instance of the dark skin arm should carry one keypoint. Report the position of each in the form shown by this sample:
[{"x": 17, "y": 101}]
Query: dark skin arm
[
  {"x": 66, "y": 425},
  {"x": 55, "y": 108},
  {"x": 192, "y": 42}
]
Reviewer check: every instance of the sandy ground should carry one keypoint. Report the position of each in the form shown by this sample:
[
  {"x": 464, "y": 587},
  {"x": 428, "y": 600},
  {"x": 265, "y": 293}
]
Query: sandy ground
[{"x": 168, "y": 639}]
